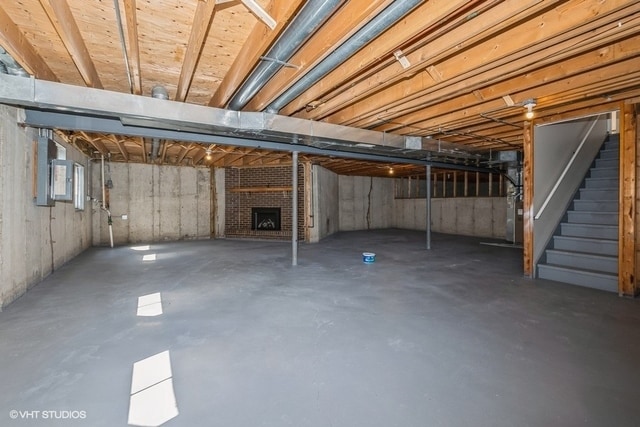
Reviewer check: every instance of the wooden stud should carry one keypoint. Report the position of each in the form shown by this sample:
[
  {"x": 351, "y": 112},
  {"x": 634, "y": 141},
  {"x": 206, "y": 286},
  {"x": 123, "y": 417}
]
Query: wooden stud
[
  {"x": 455, "y": 184},
  {"x": 527, "y": 209},
  {"x": 466, "y": 183},
  {"x": 627, "y": 251}
]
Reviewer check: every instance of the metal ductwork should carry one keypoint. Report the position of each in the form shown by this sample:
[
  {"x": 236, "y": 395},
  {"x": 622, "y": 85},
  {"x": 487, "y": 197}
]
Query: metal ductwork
[
  {"x": 394, "y": 12},
  {"x": 312, "y": 15},
  {"x": 8, "y": 65},
  {"x": 158, "y": 92}
]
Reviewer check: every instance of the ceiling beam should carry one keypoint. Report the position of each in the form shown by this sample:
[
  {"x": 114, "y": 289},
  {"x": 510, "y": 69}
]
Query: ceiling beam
[
  {"x": 512, "y": 73},
  {"x": 114, "y": 126},
  {"x": 134, "y": 47},
  {"x": 202, "y": 19},
  {"x": 521, "y": 43},
  {"x": 17, "y": 45},
  {"x": 445, "y": 31},
  {"x": 519, "y": 87},
  {"x": 256, "y": 45}
]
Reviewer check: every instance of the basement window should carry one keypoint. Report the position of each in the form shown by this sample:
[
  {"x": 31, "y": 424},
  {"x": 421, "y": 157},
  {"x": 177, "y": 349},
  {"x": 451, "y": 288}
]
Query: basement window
[{"x": 445, "y": 184}]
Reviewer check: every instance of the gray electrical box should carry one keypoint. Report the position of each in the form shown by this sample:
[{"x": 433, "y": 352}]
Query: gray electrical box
[
  {"x": 47, "y": 151},
  {"x": 54, "y": 176},
  {"x": 62, "y": 180}
]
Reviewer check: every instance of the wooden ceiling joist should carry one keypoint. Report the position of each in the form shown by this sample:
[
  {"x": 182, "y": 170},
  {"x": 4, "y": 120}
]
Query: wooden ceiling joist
[
  {"x": 259, "y": 41},
  {"x": 134, "y": 46},
  {"x": 65, "y": 24},
  {"x": 17, "y": 45}
]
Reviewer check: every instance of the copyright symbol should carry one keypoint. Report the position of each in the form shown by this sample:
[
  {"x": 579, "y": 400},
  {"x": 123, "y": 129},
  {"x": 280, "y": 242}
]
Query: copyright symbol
[{"x": 13, "y": 414}]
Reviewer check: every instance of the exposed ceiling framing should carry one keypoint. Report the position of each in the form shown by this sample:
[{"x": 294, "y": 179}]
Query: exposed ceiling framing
[{"x": 455, "y": 71}]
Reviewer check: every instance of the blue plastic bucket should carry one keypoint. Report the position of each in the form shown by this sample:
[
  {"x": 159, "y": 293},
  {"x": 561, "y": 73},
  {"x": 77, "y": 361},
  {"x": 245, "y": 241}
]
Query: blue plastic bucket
[{"x": 368, "y": 257}]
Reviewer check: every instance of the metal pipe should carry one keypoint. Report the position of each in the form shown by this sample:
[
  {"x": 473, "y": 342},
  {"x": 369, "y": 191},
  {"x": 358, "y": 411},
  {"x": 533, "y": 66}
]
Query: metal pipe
[
  {"x": 104, "y": 206},
  {"x": 294, "y": 208},
  {"x": 158, "y": 92},
  {"x": 116, "y": 4},
  {"x": 394, "y": 12},
  {"x": 428, "y": 207},
  {"x": 311, "y": 16}
]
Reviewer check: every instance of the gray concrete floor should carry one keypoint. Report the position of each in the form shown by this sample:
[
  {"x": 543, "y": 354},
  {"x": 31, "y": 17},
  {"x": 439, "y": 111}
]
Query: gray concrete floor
[{"x": 450, "y": 337}]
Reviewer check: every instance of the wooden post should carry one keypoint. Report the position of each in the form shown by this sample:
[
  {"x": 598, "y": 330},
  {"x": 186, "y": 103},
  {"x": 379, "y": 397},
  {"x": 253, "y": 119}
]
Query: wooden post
[
  {"x": 527, "y": 214},
  {"x": 455, "y": 183},
  {"x": 309, "y": 220},
  {"x": 627, "y": 282},
  {"x": 428, "y": 207},
  {"x": 294, "y": 208},
  {"x": 466, "y": 183}
]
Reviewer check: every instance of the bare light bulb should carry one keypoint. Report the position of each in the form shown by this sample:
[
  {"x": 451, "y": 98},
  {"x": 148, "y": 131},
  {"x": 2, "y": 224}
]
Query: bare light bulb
[
  {"x": 529, "y": 114},
  {"x": 529, "y": 104}
]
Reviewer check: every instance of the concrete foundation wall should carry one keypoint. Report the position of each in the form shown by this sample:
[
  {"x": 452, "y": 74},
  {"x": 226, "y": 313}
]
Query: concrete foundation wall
[
  {"x": 365, "y": 203},
  {"x": 34, "y": 240},
  {"x": 160, "y": 203},
  {"x": 326, "y": 212},
  {"x": 467, "y": 216}
]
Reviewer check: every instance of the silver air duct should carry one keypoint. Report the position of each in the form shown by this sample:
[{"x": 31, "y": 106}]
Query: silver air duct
[
  {"x": 312, "y": 15},
  {"x": 394, "y": 12},
  {"x": 159, "y": 92}
]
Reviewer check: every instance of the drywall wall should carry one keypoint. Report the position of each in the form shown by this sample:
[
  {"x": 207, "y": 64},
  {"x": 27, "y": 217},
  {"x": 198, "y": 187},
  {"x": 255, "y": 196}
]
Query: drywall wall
[
  {"x": 467, "y": 216},
  {"x": 34, "y": 240},
  {"x": 152, "y": 203},
  {"x": 553, "y": 147},
  {"x": 365, "y": 203},
  {"x": 325, "y": 207}
]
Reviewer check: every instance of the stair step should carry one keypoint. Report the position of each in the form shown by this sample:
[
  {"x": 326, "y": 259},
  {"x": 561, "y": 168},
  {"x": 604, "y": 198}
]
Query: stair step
[
  {"x": 589, "y": 279},
  {"x": 587, "y": 245},
  {"x": 606, "y": 163},
  {"x": 580, "y": 260},
  {"x": 590, "y": 217},
  {"x": 604, "y": 183},
  {"x": 604, "y": 172},
  {"x": 609, "y": 153},
  {"x": 595, "y": 205},
  {"x": 598, "y": 194},
  {"x": 589, "y": 230}
]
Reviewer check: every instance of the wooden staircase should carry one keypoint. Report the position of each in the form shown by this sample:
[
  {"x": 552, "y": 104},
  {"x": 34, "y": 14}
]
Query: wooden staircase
[{"x": 584, "y": 251}]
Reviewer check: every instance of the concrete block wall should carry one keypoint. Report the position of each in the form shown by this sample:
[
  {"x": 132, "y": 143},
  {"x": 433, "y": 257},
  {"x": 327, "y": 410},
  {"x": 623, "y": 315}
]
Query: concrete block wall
[
  {"x": 326, "y": 212},
  {"x": 160, "y": 203},
  {"x": 34, "y": 240},
  {"x": 467, "y": 216},
  {"x": 368, "y": 203},
  {"x": 238, "y": 204}
]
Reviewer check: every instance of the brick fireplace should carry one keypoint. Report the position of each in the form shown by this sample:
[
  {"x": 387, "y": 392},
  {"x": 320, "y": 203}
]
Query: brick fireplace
[{"x": 258, "y": 202}]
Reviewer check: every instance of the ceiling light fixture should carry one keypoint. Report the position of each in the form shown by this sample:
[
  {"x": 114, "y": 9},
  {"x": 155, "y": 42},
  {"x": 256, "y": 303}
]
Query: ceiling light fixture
[
  {"x": 208, "y": 153},
  {"x": 529, "y": 104}
]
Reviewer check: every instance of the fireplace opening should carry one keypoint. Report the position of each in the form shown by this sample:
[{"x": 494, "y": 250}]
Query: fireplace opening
[{"x": 265, "y": 219}]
